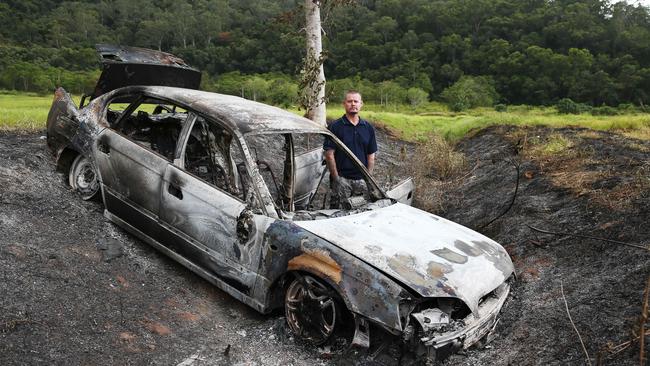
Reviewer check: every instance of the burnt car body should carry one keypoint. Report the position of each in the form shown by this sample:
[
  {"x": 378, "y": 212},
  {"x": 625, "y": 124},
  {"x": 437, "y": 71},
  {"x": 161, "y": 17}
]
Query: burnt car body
[{"x": 235, "y": 191}]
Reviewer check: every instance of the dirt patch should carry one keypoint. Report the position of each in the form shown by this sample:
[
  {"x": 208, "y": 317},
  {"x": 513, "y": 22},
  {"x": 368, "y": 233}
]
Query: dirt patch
[
  {"x": 156, "y": 328},
  {"x": 76, "y": 289}
]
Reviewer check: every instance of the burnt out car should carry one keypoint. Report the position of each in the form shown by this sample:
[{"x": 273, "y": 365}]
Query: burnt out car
[{"x": 236, "y": 191}]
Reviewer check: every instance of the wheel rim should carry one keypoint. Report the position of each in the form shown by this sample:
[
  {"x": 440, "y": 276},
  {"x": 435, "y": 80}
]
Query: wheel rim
[
  {"x": 84, "y": 178},
  {"x": 311, "y": 310}
]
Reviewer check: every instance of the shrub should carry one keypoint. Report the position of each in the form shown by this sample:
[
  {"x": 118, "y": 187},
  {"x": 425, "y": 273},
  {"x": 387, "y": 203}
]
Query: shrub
[
  {"x": 583, "y": 108},
  {"x": 436, "y": 165},
  {"x": 416, "y": 97},
  {"x": 469, "y": 92},
  {"x": 604, "y": 110},
  {"x": 568, "y": 106},
  {"x": 627, "y": 107},
  {"x": 501, "y": 108}
]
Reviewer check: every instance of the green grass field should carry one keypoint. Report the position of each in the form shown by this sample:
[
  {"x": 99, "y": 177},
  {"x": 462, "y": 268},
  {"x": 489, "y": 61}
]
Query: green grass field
[
  {"x": 21, "y": 111},
  {"x": 24, "y": 111},
  {"x": 416, "y": 127}
]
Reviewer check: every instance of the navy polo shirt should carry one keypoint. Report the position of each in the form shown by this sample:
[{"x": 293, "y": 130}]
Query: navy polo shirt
[{"x": 360, "y": 139}]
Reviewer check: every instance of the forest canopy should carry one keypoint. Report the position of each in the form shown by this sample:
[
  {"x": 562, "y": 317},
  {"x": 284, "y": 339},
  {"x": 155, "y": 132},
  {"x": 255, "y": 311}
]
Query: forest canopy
[{"x": 528, "y": 51}]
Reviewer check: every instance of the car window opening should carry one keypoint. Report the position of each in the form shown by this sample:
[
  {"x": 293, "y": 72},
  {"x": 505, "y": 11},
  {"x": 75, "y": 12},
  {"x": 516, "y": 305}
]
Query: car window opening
[
  {"x": 151, "y": 124},
  {"x": 293, "y": 168},
  {"x": 210, "y": 152},
  {"x": 207, "y": 155}
]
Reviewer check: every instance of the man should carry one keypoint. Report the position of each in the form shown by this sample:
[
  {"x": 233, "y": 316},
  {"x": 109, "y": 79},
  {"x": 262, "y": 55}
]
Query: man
[{"x": 359, "y": 136}]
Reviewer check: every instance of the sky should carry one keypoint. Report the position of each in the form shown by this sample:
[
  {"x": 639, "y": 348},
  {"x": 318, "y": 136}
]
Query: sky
[{"x": 643, "y": 2}]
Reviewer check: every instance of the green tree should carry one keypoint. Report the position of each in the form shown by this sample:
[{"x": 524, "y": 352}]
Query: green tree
[
  {"x": 470, "y": 92},
  {"x": 385, "y": 26},
  {"x": 391, "y": 93},
  {"x": 416, "y": 97}
]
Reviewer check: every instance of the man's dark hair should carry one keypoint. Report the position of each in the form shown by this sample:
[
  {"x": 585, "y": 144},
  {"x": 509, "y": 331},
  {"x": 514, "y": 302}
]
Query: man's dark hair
[{"x": 351, "y": 91}]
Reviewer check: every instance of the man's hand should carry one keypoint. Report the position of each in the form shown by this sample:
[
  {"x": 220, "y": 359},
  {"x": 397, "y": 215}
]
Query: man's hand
[
  {"x": 337, "y": 187},
  {"x": 371, "y": 162},
  {"x": 331, "y": 163}
]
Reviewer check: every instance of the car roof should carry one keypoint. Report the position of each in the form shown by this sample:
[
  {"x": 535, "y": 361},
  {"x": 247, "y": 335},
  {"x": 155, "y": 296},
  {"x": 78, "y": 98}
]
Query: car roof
[{"x": 243, "y": 115}]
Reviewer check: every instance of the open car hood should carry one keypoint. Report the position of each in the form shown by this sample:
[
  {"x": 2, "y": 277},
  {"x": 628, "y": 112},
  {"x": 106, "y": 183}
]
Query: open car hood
[
  {"x": 126, "y": 66},
  {"x": 431, "y": 255}
]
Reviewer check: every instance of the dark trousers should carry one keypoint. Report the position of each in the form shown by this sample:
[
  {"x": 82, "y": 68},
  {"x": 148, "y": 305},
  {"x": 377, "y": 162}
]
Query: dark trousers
[{"x": 347, "y": 188}]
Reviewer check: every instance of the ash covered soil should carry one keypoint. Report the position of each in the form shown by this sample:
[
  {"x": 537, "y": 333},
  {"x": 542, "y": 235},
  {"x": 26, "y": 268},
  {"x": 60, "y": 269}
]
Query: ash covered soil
[{"x": 76, "y": 289}]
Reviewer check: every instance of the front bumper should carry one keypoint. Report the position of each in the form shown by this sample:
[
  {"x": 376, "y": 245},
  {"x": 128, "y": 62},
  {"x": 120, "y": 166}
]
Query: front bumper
[{"x": 475, "y": 327}]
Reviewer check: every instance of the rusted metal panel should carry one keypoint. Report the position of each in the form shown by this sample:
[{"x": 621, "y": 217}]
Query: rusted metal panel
[
  {"x": 318, "y": 261},
  {"x": 62, "y": 121},
  {"x": 420, "y": 250}
]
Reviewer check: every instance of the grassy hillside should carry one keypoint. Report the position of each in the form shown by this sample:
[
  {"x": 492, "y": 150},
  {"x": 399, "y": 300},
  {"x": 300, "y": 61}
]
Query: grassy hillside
[{"x": 21, "y": 111}]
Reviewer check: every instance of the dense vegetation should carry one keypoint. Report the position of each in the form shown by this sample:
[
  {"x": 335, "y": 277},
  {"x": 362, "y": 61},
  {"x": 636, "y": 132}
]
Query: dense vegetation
[{"x": 520, "y": 51}]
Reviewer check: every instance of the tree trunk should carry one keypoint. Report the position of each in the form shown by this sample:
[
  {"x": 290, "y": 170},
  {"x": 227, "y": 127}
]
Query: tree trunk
[{"x": 316, "y": 111}]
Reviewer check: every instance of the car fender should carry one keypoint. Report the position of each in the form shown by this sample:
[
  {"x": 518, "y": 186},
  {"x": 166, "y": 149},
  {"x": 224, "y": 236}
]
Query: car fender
[{"x": 367, "y": 292}]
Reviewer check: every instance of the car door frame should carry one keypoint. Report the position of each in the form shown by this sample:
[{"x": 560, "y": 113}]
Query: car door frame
[
  {"x": 225, "y": 235},
  {"x": 263, "y": 216},
  {"x": 118, "y": 174}
]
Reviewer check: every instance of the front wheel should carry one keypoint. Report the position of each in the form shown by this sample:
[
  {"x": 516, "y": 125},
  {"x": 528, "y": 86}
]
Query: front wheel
[
  {"x": 83, "y": 177},
  {"x": 312, "y": 309}
]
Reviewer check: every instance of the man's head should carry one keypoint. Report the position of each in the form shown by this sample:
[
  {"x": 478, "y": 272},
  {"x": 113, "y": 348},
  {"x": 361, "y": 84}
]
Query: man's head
[{"x": 352, "y": 102}]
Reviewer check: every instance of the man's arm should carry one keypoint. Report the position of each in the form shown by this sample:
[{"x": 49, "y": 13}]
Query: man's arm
[
  {"x": 371, "y": 162},
  {"x": 331, "y": 163},
  {"x": 371, "y": 150}
]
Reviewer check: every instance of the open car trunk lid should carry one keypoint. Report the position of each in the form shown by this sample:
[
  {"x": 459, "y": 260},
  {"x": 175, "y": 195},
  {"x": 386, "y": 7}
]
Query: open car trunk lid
[{"x": 126, "y": 66}]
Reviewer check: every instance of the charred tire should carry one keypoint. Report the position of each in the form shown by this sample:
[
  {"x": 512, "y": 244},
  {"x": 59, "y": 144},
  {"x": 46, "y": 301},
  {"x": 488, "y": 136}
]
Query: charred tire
[
  {"x": 82, "y": 177},
  {"x": 313, "y": 310}
]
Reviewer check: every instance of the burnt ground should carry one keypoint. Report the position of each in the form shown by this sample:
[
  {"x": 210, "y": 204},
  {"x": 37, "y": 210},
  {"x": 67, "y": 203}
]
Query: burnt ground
[
  {"x": 597, "y": 185},
  {"x": 76, "y": 289}
]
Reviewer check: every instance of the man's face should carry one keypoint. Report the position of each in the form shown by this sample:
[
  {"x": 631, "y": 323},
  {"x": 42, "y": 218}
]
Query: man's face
[{"x": 352, "y": 103}]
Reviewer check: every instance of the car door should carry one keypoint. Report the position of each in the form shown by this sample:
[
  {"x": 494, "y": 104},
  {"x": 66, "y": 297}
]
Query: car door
[
  {"x": 132, "y": 156},
  {"x": 204, "y": 212}
]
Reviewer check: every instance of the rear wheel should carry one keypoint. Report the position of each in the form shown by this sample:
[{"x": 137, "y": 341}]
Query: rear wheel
[
  {"x": 313, "y": 310},
  {"x": 83, "y": 177}
]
